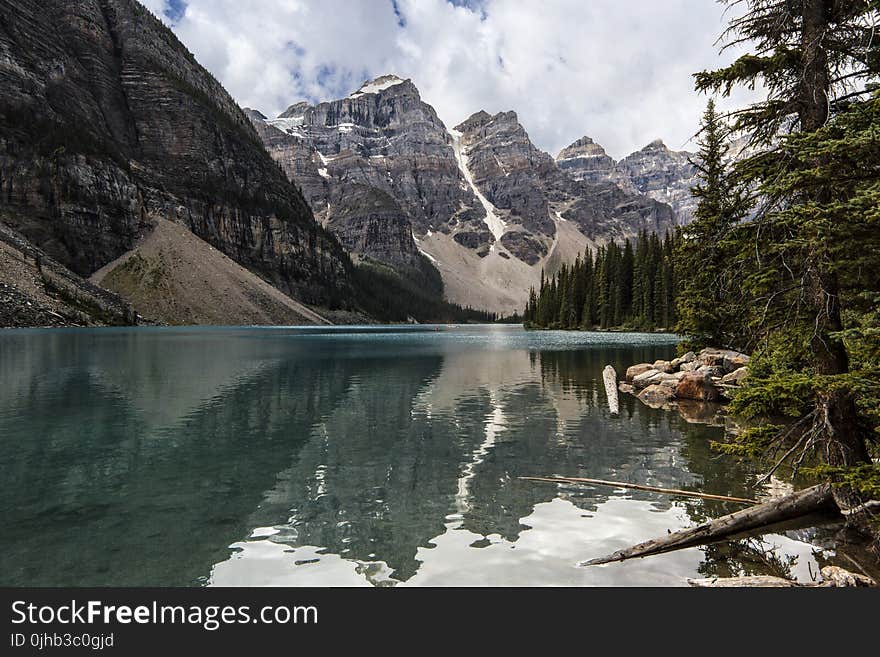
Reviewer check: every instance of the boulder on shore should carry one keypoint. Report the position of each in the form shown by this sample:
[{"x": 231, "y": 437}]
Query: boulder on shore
[
  {"x": 711, "y": 370},
  {"x": 653, "y": 377},
  {"x": 712, "y": 376},
  {"x": 697, "y": 386},
  {"x": 636, "y": 370},
  {"x": 726, "y": 359},
  {"x": 664, "y": 366},
  {"x": 736, "y": 378},
  {"x": 689, "y": 357}
]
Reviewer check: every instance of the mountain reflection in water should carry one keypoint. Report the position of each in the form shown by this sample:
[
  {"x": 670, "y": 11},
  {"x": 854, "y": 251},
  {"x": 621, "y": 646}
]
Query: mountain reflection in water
[{"x": 343, "y": 457}]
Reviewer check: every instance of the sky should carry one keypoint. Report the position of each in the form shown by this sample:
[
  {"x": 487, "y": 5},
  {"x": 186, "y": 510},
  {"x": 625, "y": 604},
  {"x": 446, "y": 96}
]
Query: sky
[{"x": 619, "y": 71}]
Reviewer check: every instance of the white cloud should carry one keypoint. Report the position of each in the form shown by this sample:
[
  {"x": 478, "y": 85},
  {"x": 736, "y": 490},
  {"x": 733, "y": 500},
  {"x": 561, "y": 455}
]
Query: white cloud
[{"x": 617, "y": 71}]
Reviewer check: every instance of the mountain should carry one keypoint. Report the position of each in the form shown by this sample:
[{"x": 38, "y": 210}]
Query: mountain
[
  {"x": 655, "y": 171},
  {"x": 586, "y": 160},
  {"x": 108, "y": 125},
  {"x": 663, "y": 174},
  {"x": 486, "y": 207},
  {"x": 123, "y": 161}
]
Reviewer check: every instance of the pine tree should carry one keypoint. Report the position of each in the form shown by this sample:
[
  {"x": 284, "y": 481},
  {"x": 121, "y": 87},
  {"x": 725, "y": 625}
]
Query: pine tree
[
  {"x": 707, "y": 301},
  {"x": 813, "y": 57}
]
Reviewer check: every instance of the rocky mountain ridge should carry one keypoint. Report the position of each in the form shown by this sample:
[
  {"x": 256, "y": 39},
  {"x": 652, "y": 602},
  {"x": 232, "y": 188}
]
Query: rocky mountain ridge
[
  {"x": 655, "y": 171},
  {"x": 482, "y": 203}
]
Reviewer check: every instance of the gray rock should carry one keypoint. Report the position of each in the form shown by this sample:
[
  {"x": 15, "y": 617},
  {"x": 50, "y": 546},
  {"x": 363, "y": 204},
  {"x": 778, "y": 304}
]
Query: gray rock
[
  {"x": 711, "y": 370},
  {"x": 636, "y": 370},
  {"x": 664, "y": 366},
  {"x": 737, "y": 377},
  {"x": 727, "y": 359},
  {"x": 657, "y": 394},
  {"x": 689, "y": 357},
  {"x": 734, "y": 361},
  {"x": 371, "y": 223},
  {"x": 653, "y": 377},
  {"x": 586, "y": 161}
]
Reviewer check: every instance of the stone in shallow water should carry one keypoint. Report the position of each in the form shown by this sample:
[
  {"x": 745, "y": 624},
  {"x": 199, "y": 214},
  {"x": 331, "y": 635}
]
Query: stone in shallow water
[{"x": 657, "y": 394}]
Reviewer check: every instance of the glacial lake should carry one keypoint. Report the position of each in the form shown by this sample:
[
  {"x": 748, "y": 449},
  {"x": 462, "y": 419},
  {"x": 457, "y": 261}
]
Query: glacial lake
[{"x": 351, "y": 457}]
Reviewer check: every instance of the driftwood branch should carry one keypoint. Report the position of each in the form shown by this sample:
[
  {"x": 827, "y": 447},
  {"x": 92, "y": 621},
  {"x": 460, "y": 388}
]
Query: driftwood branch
[
  {"x": 802, "y": 503},
  {"x": 751, "y": 582},
  {"x": 652, "y": 489},
  {"x": 609, "y": 376},
  {"x": 867, "y": 507},
  {"x": 832, "y": 577}
]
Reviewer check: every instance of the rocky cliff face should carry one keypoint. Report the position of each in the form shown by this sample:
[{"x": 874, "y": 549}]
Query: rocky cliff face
[
  {"x": 371, "y": 223},
  {"x": 106, "y": 119},
  {"x": 35, "y": 290},
  {"x": 508, "y": 170},
  {"x": 655, "y": 171}
]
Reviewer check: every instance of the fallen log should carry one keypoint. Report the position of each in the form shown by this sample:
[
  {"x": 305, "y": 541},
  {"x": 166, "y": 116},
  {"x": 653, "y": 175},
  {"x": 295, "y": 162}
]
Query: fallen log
[
  {"x": 751, "y": 582},
  {"x": 652, "y": 489},
  {"x": 832, "y": 577},
  {"x": 802, "y": 503},
  {"x": 609, "y": 376}
]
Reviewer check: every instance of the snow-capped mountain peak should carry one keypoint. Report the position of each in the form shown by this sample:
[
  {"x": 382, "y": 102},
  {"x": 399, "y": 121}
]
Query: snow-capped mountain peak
[{"x": 379, "y": 84}]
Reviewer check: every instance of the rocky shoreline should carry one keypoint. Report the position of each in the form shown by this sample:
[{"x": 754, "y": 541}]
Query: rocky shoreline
[
  {"x": 696, "y": 385},
  {"x": 713, "y": 375}
]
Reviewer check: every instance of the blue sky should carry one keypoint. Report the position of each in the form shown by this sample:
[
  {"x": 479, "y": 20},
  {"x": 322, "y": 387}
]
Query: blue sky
[{"x": 619, "y": 72}]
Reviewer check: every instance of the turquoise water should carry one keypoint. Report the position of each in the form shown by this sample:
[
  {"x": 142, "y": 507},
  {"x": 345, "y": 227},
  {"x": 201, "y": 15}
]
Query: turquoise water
[{"x": 346, "y": 457}]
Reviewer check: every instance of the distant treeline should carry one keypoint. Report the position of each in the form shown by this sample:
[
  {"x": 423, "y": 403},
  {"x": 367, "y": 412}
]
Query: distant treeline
[{"x": 627, "y": 286}]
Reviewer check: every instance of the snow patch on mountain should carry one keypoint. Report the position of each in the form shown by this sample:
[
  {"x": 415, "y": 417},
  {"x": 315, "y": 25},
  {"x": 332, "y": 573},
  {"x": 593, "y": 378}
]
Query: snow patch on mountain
[
  {"x": 377, "y": 85},
  {"x": 494, "y": 223},
  {"x": 290, "y": 125}
]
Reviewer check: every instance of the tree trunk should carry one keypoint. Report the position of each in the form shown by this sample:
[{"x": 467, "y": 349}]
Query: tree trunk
[
  {"x": 802, "y": 503},
  {"x": 844, "y": 445}
]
